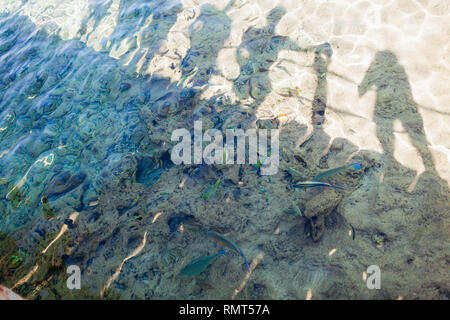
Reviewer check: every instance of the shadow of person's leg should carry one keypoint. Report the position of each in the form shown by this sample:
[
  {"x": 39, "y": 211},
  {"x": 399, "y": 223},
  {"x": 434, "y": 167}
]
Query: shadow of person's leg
[
  {"x": 413, "y": 125},
  {"x": 385, "y": 134}
]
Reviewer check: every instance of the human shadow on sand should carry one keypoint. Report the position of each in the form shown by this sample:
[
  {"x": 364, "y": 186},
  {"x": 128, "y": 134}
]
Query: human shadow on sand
[
  {"x": 394, "y": 101},
  {"x": 207, "y": 36},
  {"x": 257, "y": 54}
]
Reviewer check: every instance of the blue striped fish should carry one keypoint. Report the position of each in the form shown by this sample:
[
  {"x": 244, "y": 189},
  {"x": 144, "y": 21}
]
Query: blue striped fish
[{"x": 310, "y": 184}]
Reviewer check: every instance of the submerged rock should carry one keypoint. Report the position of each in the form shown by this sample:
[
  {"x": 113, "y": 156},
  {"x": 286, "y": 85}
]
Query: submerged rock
[
  {"x": 177, "y": 220},
  {"x": 15, "y": 196},
  {"x": 148, "y": 173},
  {"x": 318, "y": 208},
  {"x": 174, "y": 101},
  {"x": 47, "y": 210},
  {"x": 63, "y": 183},
  {"x": 125, "y": 86},
  {"x": 258, "y": 291},
  {"x": 120, "y": 169}
]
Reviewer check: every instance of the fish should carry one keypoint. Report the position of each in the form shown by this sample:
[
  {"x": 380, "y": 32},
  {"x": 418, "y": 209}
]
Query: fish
[
  {"x": 198, "y": 265},
  {"x": 205, "y": 285},
  {"x": 212, "y": 190},
  {"x": 183, "y": 78},
  {"x": 223, "y": 241},
  {"x": 353, "y": 232},
  {"x": 296, "y": 209},
  {"x": 293, "y": 172},
  {"x": 310, "y": 184},
  {"x": 323, "y": 175}
]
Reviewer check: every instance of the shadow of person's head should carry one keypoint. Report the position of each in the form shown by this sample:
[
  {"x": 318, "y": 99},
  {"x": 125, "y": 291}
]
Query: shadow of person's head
[
  {"x": 385, "y": 72},
  {"x": 385, "y": 58},
  {"x": 208, "y": 9}
]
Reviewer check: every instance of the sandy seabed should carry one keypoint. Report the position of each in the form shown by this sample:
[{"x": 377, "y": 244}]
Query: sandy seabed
[{"x": 91, "y": 90}]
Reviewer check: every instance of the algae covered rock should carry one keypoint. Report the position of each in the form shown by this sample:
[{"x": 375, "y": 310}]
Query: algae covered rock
[
  {"x": 174, "y": 102},
  {"x": 121, "y": 169},
  {"x": 63, "y": 183},
  {"x": 7, "y": 294},
  {"x": 47, "y": 210},
  {"x": 318, "y": 208}
]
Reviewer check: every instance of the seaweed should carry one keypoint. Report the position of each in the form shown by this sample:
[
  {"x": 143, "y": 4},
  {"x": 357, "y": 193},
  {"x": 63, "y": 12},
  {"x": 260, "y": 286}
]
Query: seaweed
[
  {"x": 19, "y": 257},
  {"x": 47, "y": 210},
  {"x": 11, "y": 260}
]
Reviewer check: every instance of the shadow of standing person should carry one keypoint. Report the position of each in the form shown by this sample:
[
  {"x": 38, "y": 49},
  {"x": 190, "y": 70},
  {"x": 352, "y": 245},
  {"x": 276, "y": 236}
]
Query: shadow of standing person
[
  {"x": 317, "y": 143},
  {"x": 320, "y": 152},
  {"x": 97, "y": 11},
  {"x": 394, "y": 101},
  {"x": 142, "y": 26},
  {"x": 322, "y": 59},
  {"x": 163, "y": 19},
  {"x": 207, "y": 35},
  {"x": 257, "y": 53}
]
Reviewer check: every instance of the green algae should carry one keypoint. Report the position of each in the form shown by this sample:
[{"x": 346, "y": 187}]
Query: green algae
[
  {"x": 15, "y": 196},
  {"x": 8, "y": 269}
]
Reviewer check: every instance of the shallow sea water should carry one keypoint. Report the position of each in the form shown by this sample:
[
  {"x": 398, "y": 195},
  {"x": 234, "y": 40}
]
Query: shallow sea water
[{"x": 91, "y": 92}]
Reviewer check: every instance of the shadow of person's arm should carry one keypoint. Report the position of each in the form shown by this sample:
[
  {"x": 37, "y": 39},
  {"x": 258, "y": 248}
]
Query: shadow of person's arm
[
  {"x": 366, "y": 82},
  {"x": 230, "y": 5}
]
